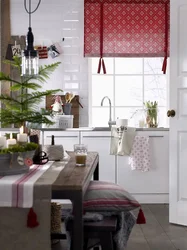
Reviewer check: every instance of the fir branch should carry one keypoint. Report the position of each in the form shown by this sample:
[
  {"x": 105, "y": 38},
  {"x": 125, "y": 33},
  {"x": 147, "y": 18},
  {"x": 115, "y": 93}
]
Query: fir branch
[
  {"x": 6, "y": 99},
  {"x": 4, "y": 77},
  {"x": 16, "y": 63},
  {"x": 44, "y": 72},
  {"x": 33, "y": 86},
  {"x": 33, "y": 97},
  {"x": 48, "y": 69},
  {"x": 20, "y": 117}
]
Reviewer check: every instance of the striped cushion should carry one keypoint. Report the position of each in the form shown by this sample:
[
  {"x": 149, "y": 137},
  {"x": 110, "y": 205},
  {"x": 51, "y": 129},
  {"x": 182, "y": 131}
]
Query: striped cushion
[{"x": 106, "y": 196}]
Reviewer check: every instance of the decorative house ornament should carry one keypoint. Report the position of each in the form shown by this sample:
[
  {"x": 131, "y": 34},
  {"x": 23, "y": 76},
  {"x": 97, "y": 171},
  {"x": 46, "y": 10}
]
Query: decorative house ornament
[
  {"x": 55, "y": 50},
  {"x": 57, "y": 106},
  {"x": 42, "y": 52},
  {"x": 16, "y": 49}
]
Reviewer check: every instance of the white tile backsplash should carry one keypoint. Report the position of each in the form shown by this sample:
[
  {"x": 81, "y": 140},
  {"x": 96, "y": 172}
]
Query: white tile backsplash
[{"x": 50, "y": 23}]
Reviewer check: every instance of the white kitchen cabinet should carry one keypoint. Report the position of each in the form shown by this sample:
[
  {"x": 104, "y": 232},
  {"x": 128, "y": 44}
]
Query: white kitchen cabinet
[
  {"x": 146, "y": 187},
  {"x": 151, "y": 186},
  {"x": 64, "y": 138},
  {"x": 100, "y": 142}
]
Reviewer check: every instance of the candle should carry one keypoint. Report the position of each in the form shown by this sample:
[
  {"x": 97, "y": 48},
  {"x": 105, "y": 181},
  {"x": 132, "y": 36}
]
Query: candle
[
  {"x": 2, "y": 142},
  {"x": 141, "y": 123},
  {"x": 22, "y": 137},
  {"x": 11, "y": 141}
]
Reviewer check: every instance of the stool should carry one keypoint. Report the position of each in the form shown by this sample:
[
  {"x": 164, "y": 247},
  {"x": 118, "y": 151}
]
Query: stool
[{"x": 102, "y": 230}]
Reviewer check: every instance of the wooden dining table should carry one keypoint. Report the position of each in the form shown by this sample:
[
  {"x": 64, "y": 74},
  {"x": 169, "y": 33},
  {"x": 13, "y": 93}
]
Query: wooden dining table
[{"x": 72, "y": 184}]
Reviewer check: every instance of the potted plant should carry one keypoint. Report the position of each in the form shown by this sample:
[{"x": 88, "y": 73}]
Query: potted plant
[
  {"x": 21, "y": 108},
  {"x": 151, "y": 114},
  {"x": 17, "y": 159}
]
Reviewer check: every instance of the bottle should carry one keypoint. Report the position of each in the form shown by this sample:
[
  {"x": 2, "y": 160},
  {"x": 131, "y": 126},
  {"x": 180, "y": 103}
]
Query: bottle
[{"x": 52, "y": 140}]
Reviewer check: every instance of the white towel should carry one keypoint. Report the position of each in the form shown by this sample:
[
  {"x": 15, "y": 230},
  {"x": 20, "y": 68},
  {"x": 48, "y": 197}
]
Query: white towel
[
  {"x": 122, "y": 141},
  {"x": 17, "y": 190},
  {"x": 140, "y": 155}
]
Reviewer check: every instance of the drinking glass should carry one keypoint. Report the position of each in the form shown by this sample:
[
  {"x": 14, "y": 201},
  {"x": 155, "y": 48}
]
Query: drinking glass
[{"x": 80, "y": 154}]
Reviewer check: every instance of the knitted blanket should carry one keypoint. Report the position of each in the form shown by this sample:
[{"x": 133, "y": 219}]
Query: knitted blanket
[{"x": 126, "y": 221}]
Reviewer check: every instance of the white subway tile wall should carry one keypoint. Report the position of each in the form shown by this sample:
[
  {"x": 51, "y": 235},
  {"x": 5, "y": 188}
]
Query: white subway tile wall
[{"x": 53, "y": 21}]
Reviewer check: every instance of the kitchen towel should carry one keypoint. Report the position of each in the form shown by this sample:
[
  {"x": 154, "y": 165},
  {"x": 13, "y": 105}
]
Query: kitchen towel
[
  {"x": 122, "y": 140},
  {"x": 140, "y": 155}
]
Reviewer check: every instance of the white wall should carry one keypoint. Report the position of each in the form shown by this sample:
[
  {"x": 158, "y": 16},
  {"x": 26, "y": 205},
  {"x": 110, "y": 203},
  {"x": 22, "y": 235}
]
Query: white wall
[{"x": 50, "y": 23}]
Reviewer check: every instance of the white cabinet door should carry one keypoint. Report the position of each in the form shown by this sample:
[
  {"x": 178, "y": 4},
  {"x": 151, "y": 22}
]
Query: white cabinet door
[
  {"x": 178, "y": 124},
  {"x": 101, "y": 144},
  {"x": 66, "y": 139},
  {"x": 151, "y": 186}
]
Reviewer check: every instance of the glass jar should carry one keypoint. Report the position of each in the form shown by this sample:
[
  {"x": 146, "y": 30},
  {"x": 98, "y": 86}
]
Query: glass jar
[{"x": 151, "y": 117}]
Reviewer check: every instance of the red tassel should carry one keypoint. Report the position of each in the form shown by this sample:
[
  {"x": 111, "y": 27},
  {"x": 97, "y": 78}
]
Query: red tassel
[
  {"x": 103, "y": 65},
  {"x": 99, "y": 66},
  {"x": 141, "y": 218},
  {"x": 32, "y": 219},
  {"x": 164, "y": 66}
]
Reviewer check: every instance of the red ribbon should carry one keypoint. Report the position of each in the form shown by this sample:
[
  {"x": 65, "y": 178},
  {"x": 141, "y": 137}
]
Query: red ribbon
[
  {"x": 164, "y": 66},
  {"x": 101, "y": 60},
  {"x": 101, "y": 63}
]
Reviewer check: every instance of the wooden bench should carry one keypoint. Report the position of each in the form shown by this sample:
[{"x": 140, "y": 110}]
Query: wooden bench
[{"x": 102, "y": 230}]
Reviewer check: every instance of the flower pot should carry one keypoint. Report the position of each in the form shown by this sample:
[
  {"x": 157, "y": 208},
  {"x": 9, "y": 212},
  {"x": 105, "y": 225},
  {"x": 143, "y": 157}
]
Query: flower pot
[{"x": 15, "y": 163}]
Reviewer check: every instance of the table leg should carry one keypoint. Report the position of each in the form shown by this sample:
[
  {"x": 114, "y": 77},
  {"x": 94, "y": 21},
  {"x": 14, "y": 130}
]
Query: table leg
[
  {"x": 96, "y": 173},
  {"x": 78, "y": 230}
]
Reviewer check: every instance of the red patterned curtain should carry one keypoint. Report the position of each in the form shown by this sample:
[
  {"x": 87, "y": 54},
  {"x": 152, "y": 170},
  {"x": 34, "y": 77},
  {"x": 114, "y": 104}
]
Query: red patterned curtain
[{"x": 126, "y": 28}]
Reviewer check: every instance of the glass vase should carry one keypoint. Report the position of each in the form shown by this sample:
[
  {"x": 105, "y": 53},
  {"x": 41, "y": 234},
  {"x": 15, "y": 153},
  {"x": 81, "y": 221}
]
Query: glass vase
[{"x": 152, "y": 117}]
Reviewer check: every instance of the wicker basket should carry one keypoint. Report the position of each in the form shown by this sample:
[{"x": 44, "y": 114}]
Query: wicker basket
[{"x": 55, "y": 219}]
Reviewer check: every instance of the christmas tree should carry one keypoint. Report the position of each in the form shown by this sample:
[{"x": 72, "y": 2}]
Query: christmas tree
[{"x": 22, "y": 107}]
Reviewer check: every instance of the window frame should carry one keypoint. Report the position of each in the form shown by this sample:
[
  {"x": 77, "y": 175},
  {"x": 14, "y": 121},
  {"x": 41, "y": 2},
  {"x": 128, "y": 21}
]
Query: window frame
[{"x": 90, "y": 97}]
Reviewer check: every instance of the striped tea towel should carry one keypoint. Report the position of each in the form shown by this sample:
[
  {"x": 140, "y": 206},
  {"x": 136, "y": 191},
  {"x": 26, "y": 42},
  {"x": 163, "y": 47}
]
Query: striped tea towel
[{"x": 17, "y": 190}]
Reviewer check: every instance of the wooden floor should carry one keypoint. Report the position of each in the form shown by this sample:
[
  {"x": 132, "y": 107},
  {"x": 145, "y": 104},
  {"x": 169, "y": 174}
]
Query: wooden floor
[{"x": 156, "y": 234}]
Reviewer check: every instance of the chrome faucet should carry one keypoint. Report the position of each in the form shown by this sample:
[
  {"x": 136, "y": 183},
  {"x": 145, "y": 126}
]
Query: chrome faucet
[{"x": 110, "y": 123}]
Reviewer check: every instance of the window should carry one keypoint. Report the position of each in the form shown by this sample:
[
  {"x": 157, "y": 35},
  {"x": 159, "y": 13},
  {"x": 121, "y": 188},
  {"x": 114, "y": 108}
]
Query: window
[{"x": 129, "y": 82}]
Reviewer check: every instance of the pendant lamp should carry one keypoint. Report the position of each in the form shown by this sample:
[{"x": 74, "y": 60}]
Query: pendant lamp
[{"x": 30, "y": 66}]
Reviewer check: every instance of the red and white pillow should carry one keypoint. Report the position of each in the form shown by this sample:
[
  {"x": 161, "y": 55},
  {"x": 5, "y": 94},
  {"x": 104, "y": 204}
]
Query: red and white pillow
[{"x": 106, "y": 196}]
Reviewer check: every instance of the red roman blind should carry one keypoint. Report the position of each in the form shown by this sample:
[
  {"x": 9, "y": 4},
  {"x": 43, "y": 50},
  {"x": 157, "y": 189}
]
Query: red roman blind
[{"x": 126, "y": 28}]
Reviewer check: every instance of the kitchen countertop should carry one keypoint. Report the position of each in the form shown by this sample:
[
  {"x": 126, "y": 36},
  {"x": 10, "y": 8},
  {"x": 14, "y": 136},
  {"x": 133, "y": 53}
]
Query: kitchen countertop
[{"x": 83, "y": 129}]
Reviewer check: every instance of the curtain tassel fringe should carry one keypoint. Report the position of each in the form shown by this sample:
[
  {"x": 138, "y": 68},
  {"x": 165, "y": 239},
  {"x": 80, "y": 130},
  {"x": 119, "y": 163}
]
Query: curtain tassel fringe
[
  {"x": 164, "y": 66},
  {"x": 141, "y": 218},
  {"x": 32, "y": 219}
]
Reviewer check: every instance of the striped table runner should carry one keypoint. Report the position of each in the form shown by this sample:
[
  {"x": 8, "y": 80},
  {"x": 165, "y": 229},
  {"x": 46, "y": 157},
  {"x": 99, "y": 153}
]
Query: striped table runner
[{"x": 17, "y": 190}]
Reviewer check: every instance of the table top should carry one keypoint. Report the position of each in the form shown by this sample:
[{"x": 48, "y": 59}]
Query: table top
[{"x": 73, "y": 177}]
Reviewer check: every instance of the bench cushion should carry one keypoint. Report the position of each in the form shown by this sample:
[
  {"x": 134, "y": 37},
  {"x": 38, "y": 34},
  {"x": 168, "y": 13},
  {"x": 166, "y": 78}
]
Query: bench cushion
[{"x": 106, "y": 196}]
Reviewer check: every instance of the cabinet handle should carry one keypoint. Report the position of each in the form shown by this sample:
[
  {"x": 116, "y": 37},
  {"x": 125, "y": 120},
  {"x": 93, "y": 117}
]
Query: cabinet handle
[
  {"x": 94, "y": 136},
  {"x": 156, "y": 136},
  {"x": 63, "y": 136}
]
